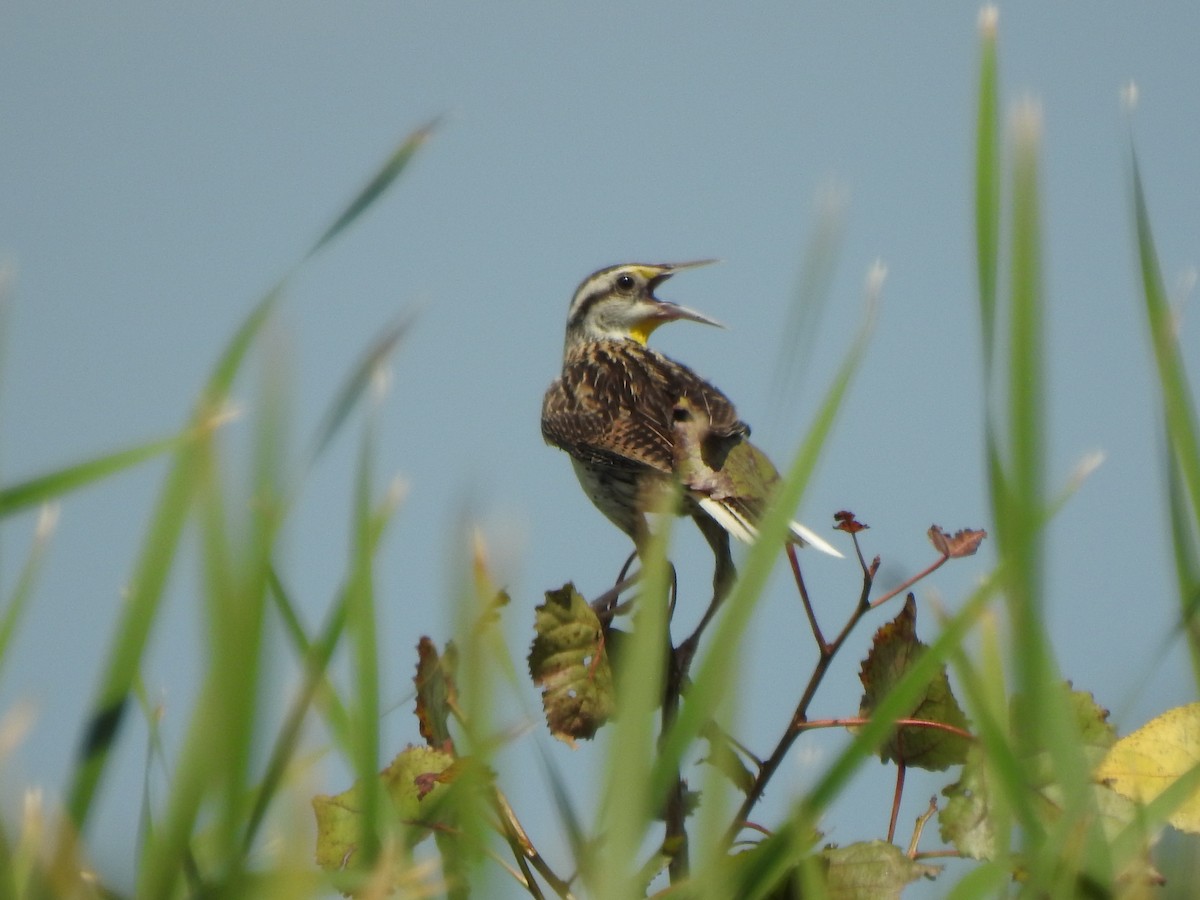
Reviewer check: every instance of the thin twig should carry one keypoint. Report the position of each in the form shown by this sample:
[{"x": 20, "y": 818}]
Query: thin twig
[
  {"x": 808, "y": 609},
  {"x": 929, "y": 570},
  {"x": 919, "y": 828},
  {"x": 800, "y": 716},
  {"x": 523, "y": 848},
  {"x": 826, "y": 652},
  {"x": 901, "y": 770},
  {"x": 858, "y": 721}
]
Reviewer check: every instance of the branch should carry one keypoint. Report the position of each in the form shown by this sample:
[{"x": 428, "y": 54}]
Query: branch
[
  {"x": 928, "y": 570},
  {"x": 523, "y": 849},
  {"x": 826, "y": 653},
  {"x": 901, "y": 769}
]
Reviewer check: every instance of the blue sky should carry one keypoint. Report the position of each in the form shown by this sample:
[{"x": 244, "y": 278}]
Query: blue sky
[{"x": 160, "y": 167}]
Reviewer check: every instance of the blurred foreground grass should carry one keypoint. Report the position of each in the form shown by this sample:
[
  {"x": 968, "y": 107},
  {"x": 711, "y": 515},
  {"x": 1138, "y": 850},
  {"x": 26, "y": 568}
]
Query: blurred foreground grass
[{"x": 218, "y": 831}]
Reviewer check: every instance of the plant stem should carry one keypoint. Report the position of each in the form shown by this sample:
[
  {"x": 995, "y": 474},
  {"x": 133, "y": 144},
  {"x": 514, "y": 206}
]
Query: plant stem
[
  {"x": 796, "y": 725},
  {"x": 808, "y": 610},
  {"x": 901, "y": 770},
  {"x": 524, "y": 851}
]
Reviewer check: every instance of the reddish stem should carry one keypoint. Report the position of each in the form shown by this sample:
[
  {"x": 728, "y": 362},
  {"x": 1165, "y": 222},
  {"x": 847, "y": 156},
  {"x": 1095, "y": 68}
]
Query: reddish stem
[
  {"x": 808, "y": 610},
  {"x": 900, "y": 771},
  {"x": 930, "y": 569}
]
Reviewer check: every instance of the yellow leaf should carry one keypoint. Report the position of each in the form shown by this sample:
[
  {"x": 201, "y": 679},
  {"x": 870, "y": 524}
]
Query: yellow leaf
[{"x": 1145, "y": 763}]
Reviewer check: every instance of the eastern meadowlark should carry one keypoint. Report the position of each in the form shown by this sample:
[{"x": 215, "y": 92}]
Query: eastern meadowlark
[{"x": 633, "y": 420}]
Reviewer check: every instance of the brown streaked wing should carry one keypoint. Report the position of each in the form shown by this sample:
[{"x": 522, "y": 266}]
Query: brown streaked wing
[{"x": 615, "y": 400}]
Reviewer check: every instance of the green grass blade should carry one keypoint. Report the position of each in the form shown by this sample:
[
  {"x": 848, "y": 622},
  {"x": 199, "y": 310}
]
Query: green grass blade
[
  {"x": 361, "y": 625},
  {"x": 53, "y": 485},
  {"x": 1177, "y": 400},
  {"x": 987, "y": 184},
  {"x": 1022, "y": 507},
  {"x": 380, "y": 182},
  {"x": 1184, "y": 542},
  {"x": 316, "y": 652},
  {"x": 238, "y": 625},
  {"x": 287, "y": 740},
  {"x": 628, "y": 806},
  {"x": 159, "y": 549},
  {"x": 17, "y": 603},
  {"x": 896, "y": 703},
  {"x": 1023, "y": 503},
  {"x": 568, "y": 816},
  {"x": 238, "y": 541},
  {"x": 132, "y": 632},
  {"x": 150, "y": 573},
  {"x": 359, "y": 380},
  {"x": 988, "y": 704},
  {"x": 9, "y": 888},
  {"x": 988, "y": 172},
  {"x": 709, "y": 679},
  {"x": 817, "y": 270},
  {"x": 315, "y": 689},
  {"x": 1179, "y": 417}
]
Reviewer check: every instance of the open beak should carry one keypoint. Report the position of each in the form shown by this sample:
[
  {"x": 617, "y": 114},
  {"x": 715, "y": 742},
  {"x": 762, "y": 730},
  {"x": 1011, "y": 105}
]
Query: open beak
[{"x": 667, "y": 311}]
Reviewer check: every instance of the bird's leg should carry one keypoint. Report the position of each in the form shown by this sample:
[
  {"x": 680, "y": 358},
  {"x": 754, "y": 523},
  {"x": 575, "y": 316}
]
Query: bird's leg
[
  {"x": 605, "y": 605},
  {"x": 625, "y": 568}
]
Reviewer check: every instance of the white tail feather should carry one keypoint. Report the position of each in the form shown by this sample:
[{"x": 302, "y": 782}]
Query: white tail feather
[
  {"x": 737, "y": 525},
  {"x": 745, "y": 531},
  {"x": 807, "y": 536}
]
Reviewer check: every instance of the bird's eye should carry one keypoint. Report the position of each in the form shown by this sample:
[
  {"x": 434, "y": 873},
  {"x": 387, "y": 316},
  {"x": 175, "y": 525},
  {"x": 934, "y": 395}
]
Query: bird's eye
[{"x": 626, "y": 282}]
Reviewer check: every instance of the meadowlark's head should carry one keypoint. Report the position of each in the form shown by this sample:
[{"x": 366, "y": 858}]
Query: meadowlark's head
[{"x": 618, "y": 303}]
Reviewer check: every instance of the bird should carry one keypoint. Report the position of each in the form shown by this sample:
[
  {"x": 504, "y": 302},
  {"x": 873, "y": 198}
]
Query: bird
[{"x": 634, "y": 422}]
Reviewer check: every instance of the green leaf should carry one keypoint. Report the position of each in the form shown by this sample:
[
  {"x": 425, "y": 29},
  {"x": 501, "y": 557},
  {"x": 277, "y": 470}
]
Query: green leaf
[
  {"x": 966, "y": 819},
  {"x": 412, "y": 783},
  {"x": 1096, "y": 732},
  {"x": 1105, "y": 809},
  {"x": 773, "y": 868},
  {"x": 723, "y": 756},
  {"x": 871, "y": 870},
  {"x": 894, "y": 650},
  {"x": 568, "y": 661}
]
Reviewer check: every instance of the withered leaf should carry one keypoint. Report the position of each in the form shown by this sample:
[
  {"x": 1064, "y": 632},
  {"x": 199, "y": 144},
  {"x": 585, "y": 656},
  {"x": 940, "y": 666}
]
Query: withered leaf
[
  {"x": 568, "y": 661},
  {"x": 436, "y": 693},
  {"x": 964, "y": 542},
  {"x": 847, "y": 523},
  {"x": 893, "y": 650}
]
